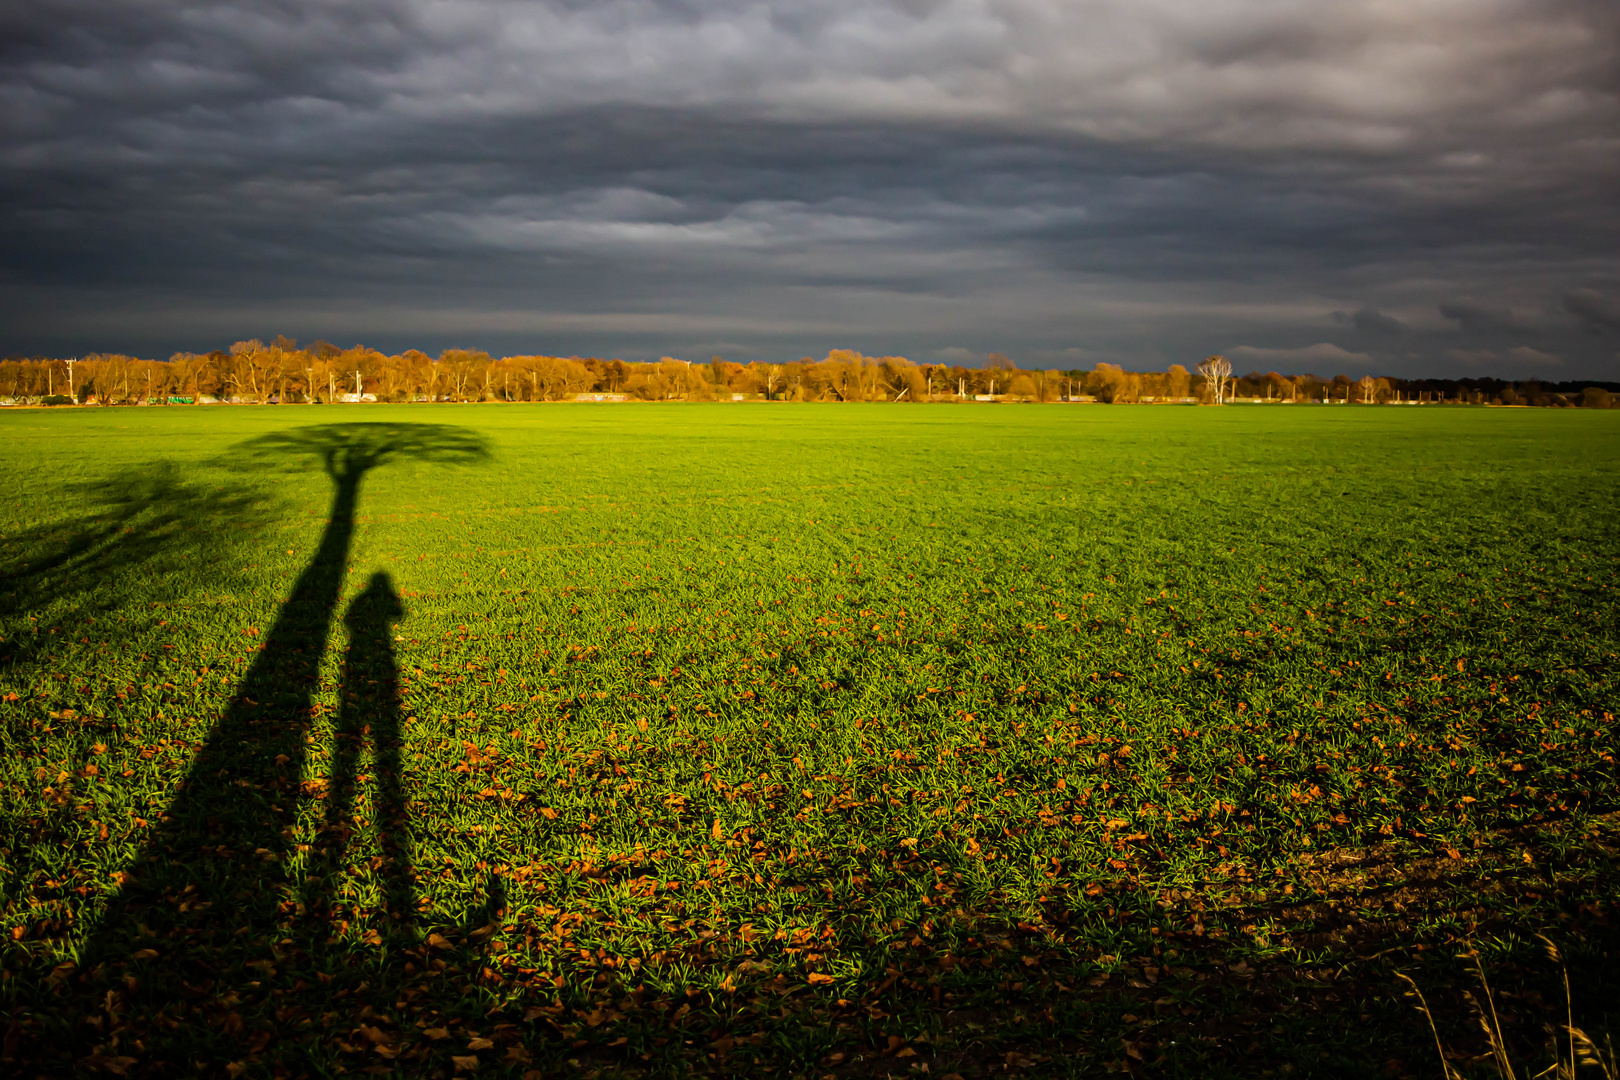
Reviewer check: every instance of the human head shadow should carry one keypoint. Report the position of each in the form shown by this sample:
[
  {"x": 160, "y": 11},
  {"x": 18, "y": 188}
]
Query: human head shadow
[
  {"x": 369, "y": 715},
  {"x": 211, "y": 891}
]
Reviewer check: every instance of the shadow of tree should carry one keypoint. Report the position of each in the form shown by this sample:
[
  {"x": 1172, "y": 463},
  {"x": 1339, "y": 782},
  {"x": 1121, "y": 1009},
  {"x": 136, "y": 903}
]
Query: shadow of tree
[
  {"x": 137, "y": 535},
  {"x": 149, "y": 530},
  {"x": 349, "y": 451},
  {"x": 200, "y": 909}
]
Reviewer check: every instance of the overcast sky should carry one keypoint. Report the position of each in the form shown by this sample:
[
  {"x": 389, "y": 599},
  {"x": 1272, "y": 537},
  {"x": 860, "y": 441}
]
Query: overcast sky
[{"x": 1392, "y": 186}]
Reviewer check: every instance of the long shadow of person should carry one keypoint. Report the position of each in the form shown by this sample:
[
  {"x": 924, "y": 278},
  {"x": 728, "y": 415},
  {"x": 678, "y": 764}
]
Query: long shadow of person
[
  {"x": 197, "y": 930},
  {"x": 369, "y": 713}
]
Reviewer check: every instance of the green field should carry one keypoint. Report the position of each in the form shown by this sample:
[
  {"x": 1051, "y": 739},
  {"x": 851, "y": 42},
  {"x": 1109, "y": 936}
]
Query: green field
[{"x": 819, "y": 740}]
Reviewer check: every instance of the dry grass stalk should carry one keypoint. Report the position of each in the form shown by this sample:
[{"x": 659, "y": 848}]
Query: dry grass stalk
[{"x": 1583, "y": 1051}]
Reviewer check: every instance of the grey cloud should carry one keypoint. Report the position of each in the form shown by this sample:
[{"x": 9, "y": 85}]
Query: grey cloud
[
  {"x": 1324, "y": 355},
  {"x": 1593, "y": 309},
  {"x": 1473, "y": 315},
  {"x": 1104, "y": 179},
  {"x": 1504, "y": 361},
  {"x": 1370, "y": 320}
]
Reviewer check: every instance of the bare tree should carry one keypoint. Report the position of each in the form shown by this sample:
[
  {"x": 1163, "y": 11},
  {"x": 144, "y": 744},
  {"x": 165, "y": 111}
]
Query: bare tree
[
  {"x": 1217, "y": 372},
  {"x": 462, "y": 366},
  {"x": 243, "y": 373}
]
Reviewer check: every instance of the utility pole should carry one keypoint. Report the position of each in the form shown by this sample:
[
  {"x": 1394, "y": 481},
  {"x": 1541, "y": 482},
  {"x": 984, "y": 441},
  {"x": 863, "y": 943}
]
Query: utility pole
[
  {"x": 357, "y": 384},
  {"x": 331, "y": 387},
  {"x": 70, "y": 362}
]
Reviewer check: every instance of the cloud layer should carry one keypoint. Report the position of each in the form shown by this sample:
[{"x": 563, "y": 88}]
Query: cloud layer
[{"x": 1385, "y": 186}]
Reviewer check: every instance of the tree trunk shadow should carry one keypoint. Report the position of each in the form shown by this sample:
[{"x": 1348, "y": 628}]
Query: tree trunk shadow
[{"x": 215, "y": 871}]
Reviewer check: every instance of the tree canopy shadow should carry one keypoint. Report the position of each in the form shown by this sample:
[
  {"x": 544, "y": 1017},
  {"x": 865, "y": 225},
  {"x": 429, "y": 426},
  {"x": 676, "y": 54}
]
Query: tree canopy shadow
[
  {"x": 348, "y": 451},
  {"x": 149, "y": 531},
  {"x": 208, "y": 895}
]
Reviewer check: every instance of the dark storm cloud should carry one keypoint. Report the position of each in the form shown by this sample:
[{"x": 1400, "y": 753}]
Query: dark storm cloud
[
  {"x": 1472, "y": 315},
  {"x": 1592, "y": 308},
  {"x": 1064, "y": 182},
  {"x": 1371, "y": 321}
]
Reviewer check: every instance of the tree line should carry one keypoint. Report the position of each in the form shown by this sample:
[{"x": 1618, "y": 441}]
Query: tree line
[{"x": 283, "y": 372}]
